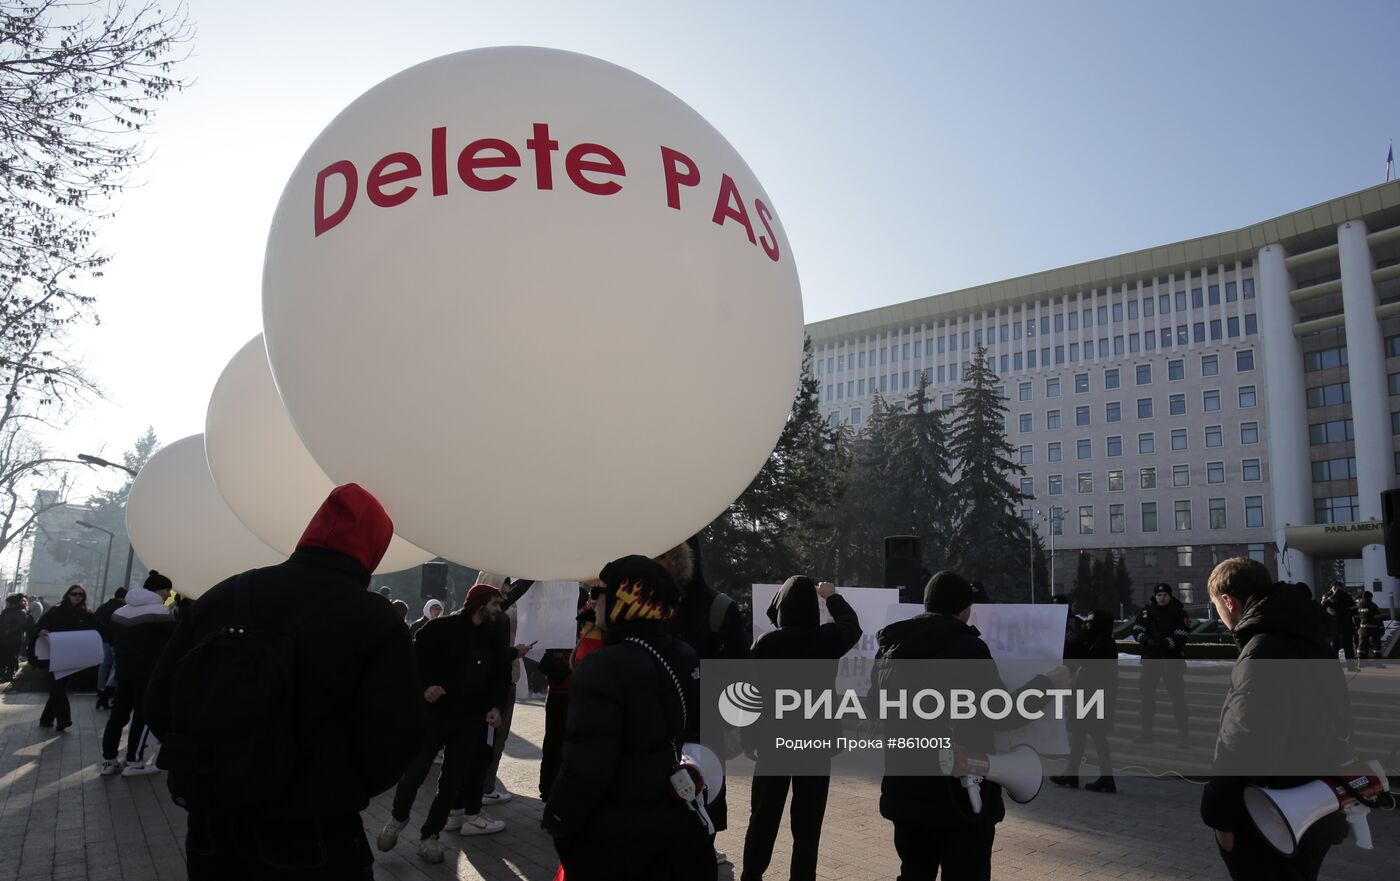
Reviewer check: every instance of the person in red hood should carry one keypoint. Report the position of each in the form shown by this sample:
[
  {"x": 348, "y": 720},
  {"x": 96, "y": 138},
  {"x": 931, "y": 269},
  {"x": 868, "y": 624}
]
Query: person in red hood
[{"x": 286, "y": 700}]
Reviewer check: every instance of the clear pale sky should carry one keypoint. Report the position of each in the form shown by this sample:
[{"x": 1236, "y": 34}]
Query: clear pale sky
[{"x": 910, "y": 148}]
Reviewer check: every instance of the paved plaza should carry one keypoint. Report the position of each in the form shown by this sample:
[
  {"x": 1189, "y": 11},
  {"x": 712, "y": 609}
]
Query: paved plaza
[{"x": 60, "y": 820}]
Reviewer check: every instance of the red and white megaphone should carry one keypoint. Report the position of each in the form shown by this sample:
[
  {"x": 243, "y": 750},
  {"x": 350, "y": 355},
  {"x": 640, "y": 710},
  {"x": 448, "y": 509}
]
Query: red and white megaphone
[
  {"x": 1283, "y": 816},
  {"x": 1019, "y": 772}
]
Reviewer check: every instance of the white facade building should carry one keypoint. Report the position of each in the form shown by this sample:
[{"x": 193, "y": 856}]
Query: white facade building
[{"x": 1223, "y": 396}]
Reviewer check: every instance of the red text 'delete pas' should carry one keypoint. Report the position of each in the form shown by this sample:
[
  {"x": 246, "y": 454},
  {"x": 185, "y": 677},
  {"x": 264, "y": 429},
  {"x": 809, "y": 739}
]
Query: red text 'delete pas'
[{"x": 486, "y": 165}]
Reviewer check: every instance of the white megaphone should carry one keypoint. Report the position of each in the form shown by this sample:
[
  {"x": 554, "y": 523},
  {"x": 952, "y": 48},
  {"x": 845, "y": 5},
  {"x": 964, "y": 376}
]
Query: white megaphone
[
  {"x": 1019, "y": 772},
  {"x": 1283, "y": 816}
]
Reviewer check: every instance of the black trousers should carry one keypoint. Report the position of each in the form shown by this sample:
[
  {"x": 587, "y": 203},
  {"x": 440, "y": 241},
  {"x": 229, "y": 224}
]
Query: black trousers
[
  {"x": 1368, "y": 642},
  {"x": 463, "y": 747},
  {"x": 9, "y": 661},
  {"x": 131, "y": 703},
  {"x": 808, "y": 808},
  {"x": 1079, "y": 735},
  {"x": 1252, "y": 859},
  {"x": 1172, "y": 673},
  {"x": 962, "y": 850},
  {"x": 233, "y": 848},
  {"x": 1345, "y": 642},
  {"x": 56, "y": 709},
  {"x": 556, "y": 715}
]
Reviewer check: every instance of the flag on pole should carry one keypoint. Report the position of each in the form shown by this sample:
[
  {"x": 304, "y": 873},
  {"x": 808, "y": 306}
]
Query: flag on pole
[{"x": 1389, "y": 163}]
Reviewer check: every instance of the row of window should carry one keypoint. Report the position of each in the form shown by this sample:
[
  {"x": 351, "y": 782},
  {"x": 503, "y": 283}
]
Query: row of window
[
  {"x": 1148, "y": 340},
  {"x": 1113, "y": 410},
  {"x": 1142, "y": 375},
  {"x": 1147, "y": 443},
  {"x": 1216, "y": 510},
  {"x": 1250, "y": 470}
]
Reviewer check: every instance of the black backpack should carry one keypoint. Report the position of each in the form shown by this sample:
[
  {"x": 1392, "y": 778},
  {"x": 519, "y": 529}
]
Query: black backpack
[{"x": 232, "y": 743}]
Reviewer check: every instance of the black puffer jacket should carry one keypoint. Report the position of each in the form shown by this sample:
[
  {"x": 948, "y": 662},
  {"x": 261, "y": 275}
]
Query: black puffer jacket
[
  {"x": 58, "y": 618},
  {"x": 939, "y": 637},
  {"x": 103, "y": 614},
  {"x": 610, "y": 810},
  {"x": 1279, "y": 713},
  {"x": 1162, "y": 631},
  {"x": 360, "y": 719}
]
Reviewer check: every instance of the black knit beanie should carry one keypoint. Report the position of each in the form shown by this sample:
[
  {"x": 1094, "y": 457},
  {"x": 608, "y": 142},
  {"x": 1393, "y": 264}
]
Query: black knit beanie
[{"x": 155, "y": 582}]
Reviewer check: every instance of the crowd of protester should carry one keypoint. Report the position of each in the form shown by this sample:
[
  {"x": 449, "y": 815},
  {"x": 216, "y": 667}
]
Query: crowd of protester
[{"x": 287, "y": 697}]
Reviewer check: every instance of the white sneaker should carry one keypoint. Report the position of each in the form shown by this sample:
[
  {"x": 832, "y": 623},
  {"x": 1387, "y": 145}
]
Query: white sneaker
[
  {"x": 430, "y": 850},
  {"x": 389, "y": 835},
  {"x": 139, "y": 769},
  {"x": 108, "y": 767},
  {"x": 454, "y": 820},
  {"x": 498, "y": 796},
  {"x": 480, "y": 824}
]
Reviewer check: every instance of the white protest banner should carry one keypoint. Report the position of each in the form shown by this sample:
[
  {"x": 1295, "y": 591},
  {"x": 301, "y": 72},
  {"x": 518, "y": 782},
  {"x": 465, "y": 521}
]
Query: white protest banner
[
  {"x": 1023, "y": 632},
  {"x": 1017, "y": 632},
  {"x": 69, "y": 651},
  {"x": 546, "y": 615},
  {"x": 870, "y": 605}
]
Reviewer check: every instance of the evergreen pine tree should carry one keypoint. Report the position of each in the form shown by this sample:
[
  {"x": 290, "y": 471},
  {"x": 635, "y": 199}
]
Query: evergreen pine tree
[
  {"x": 917, "y": 485},
  {"x": 757, "y": 539},
  {"x": 988, "y": 530},
  {"x": 1122, "y": 584},
  {"x": 866, "y": 513}
]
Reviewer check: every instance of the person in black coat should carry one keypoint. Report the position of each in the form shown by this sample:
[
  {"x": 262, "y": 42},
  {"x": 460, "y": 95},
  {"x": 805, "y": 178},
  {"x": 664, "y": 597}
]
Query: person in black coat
[
  {"x": 358, "y": 718},
  {"x": 1278, "y": 719},
  {"x": 1341, "y": 609},
  {"x": 1162, "y": 629},
  {"x": 69, "y": 613},
  {"x": 15, "y": 625},
  {"x": 632, "y": 704},
  {"x": 712, "y": 624},
  {"x": 463, "y": 679},
  {"x": 106, "y": 675},
  {"x": 934, "y": 824},
  {"x": 800, "y": 635},
  {"x": 138, "y": 632},
  {"x": 1093, "y": 659}
]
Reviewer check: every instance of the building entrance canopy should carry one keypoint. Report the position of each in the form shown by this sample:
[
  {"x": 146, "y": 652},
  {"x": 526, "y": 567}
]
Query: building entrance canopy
[{"x": 1335, "y": 539}]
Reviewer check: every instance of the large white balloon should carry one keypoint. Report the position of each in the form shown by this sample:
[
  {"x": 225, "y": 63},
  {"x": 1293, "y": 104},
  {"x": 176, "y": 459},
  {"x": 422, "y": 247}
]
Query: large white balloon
[
  {"x": 179, "y": 523},
  {"x": 537, "y": 304},
  {"x": 261, "y": 467}
]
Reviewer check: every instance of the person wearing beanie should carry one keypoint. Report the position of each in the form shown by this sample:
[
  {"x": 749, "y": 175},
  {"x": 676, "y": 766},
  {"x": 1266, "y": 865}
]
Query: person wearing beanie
[
  {"x": 432, "y": 610},
  {"x": 800, "y": 635},
  {"x": 1162, "y": 628},
  {"x": 713, "y": 625},
  {"x": 1341, "y": 615},
  {"x": 138, "y": 632},
  {"x": 107, "y": 671},
  {"x": 1370, "y": 628},
  {"x": 934, "y": 824},
  {"x": 631, "y": 704},
  {"x": 463, "y": 678},
  {"x": 295, "y": 704}
]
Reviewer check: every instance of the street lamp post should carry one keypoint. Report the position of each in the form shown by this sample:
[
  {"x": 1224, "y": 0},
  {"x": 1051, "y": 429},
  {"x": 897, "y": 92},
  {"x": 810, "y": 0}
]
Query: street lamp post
[
  {"x": 130, "y": 549},
  {"x": 107, "y": 563}
]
